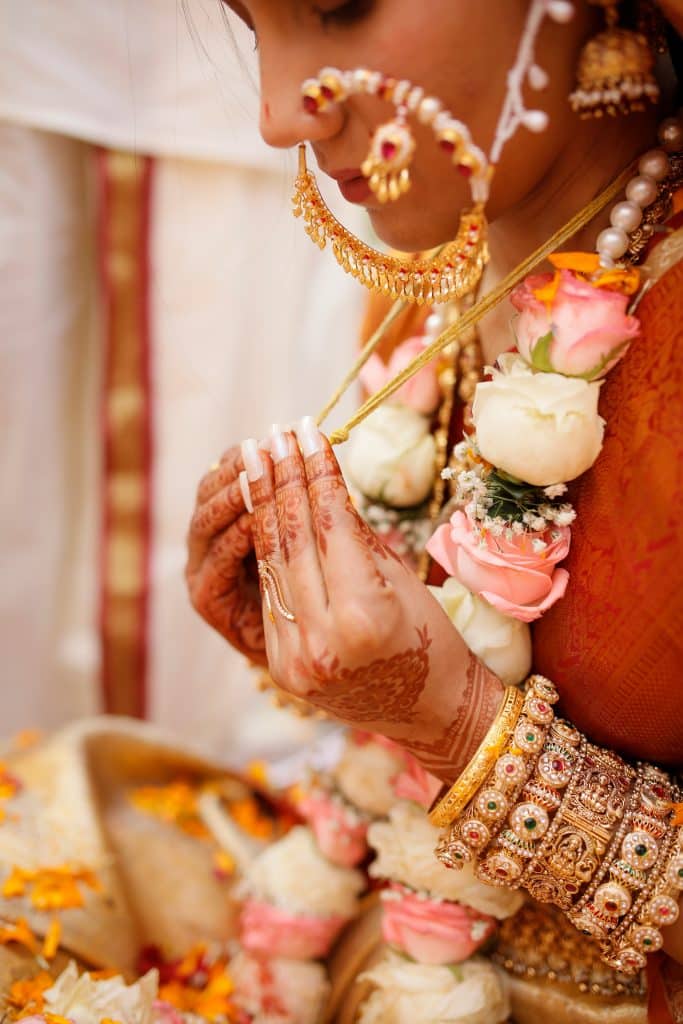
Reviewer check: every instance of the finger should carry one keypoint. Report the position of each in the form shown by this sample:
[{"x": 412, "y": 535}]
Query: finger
[
  {"x": 278, "y": 608},
  {"x": 221, "y": 475},
  {"x": 304, "y": 576},
  {"x": 351, "y": 556},
  {"x": 223, "y": 593},
  {"x": 218, "y": 512}
]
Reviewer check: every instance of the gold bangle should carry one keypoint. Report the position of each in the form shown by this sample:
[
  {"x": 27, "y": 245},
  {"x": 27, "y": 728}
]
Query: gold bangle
[{"x": 445, "y": 810}]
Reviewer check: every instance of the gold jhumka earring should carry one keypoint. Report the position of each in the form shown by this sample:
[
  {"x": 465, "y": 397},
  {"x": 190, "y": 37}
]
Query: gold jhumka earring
[
  {"x": 457, "y": 266},
  {"x": 615, "y": 70}
]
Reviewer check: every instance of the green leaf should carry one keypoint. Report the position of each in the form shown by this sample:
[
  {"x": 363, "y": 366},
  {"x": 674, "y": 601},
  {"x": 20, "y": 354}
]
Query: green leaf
[{"x": 540, "y": 355}]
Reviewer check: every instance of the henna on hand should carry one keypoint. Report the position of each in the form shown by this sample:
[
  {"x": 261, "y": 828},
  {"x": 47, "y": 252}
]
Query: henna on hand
[
  {"x": 327, "y": 488},
  {"x": 224, "y": 592},
  {"x": 217, "y": 513},
  {"x": 221, "y": 586},
  {"x": 228, "y": 469},
  {"x": 265, "y": 521},
  {"x": 454, "y": 745},
  {"x": 385, "y": 690},
  {"x": 291, "y": 502}
]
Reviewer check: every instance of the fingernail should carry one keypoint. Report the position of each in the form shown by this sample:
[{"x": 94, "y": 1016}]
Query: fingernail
[
  {"x": 279, "y": 445},
  {"x": 309, "y": 436},
  {"x": 252, "y": 459},
  {"x": 246, "y": 493}
]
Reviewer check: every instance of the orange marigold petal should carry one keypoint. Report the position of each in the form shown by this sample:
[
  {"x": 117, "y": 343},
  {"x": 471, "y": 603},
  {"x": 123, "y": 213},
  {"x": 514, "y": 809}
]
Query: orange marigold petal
[
  {"x": 547, "y": 292},
  {"x": 626, "y": 281},
  {"x": 581, "y": 262},
  {"x": 15, "y": 884},
  {"x": 27, "y": 993},
  {"x": 21, "y": 933},
  {"x": 258, "y": 772},
  {"x": 52, "y": 937}
]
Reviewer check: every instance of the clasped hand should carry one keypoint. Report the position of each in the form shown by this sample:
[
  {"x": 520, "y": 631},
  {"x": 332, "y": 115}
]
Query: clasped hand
[{"x": 365, "y": 641}]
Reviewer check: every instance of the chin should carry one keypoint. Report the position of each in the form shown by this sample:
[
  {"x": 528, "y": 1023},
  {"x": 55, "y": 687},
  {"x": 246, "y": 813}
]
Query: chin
[{"x": 411, "y": 230}]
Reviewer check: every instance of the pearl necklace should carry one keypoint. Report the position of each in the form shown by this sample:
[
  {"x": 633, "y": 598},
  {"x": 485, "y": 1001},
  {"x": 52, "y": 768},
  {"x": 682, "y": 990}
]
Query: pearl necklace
[{"x": 642, "y": 190}]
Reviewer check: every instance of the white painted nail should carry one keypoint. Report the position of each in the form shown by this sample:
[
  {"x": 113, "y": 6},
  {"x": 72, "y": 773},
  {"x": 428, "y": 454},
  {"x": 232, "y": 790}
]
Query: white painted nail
[
  {"x": 246, "y": 493},
  {"x": 310, "y": 438},
  {"x": 252, "y": 459},
  {"x": 279, "y": 444}
]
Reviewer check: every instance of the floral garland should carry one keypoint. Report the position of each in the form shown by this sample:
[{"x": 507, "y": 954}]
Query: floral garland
[{"x": 536, "y": 428}]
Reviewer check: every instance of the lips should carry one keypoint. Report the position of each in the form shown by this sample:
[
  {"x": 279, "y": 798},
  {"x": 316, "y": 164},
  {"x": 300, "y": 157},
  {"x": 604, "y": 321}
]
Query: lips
[
  {"x": 352, "y": 185},
  {"x": 355, "y": 190}
]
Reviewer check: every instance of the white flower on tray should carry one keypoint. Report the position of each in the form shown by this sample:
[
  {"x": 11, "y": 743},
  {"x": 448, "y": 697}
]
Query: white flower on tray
[
  {"x": 411, "y": 993},
  {"x": 279, "y": 990},
  {"x": 293, "y": 874},
  {"x": 405, "y": 853},
  {"x": 364, "y": 773},
  {"x": 85, "y": 1000}
]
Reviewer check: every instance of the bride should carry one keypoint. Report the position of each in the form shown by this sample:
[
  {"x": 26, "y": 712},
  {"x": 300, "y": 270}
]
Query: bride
[
  {"x": 530, "y": 145},
  {"x": 340, "y": 621}
]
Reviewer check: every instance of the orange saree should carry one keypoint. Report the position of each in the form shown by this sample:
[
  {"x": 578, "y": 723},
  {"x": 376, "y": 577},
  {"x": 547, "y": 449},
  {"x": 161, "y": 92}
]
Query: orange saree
[{"x": 614, "y": 643}]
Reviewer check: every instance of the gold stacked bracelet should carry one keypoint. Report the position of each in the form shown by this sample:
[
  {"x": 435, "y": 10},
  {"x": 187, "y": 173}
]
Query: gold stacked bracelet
[
  {"x": 449, "y": 805},
  {"x": 503, "y": 777},
  {"x": 578, "y": 827}
]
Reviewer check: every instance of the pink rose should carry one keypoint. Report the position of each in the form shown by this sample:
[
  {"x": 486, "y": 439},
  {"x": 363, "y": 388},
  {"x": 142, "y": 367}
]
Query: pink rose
[
  {"x": 432, "y": 931},
  {"x": 269, "y": 930},
  {"x": 414, "y": 783},
  {"x": 583, "y": 334},
  {"x": 421, "y": 392},
  {"x": 510, "y": 574},
  {"x": 340, "y": 834}
]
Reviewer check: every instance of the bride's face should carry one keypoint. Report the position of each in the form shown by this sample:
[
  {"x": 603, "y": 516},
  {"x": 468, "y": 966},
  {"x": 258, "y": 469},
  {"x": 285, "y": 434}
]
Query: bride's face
[{"x": 458, "y": 50}]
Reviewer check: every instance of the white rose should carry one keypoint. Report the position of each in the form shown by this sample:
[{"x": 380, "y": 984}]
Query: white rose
[
  {"x": 503, "y": 643},
  {"x": 405, "y": 853},
  {"x": 294, "y": 875},
  {"x": 300, "y": 987},
  {"x": 412, "y": 993},
  {"x": 87, "y": 1001},
  {"x": 540, "y": 427},
  {"x": 392, "y": 456},
  {"x": 364, "y": 775}
]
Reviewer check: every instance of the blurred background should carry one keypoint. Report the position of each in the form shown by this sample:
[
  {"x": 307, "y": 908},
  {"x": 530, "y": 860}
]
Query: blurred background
[{"x": 158, "y": 302}]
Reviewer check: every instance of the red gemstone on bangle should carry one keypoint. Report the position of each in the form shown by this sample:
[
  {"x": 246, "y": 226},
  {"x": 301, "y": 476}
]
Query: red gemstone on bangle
[
  {"x": 310, "y": 104},
  {"x": 326, "y": 92}
]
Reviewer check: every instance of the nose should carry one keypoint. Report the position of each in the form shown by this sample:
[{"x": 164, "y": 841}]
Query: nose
[{"x": 283, "y": 120}]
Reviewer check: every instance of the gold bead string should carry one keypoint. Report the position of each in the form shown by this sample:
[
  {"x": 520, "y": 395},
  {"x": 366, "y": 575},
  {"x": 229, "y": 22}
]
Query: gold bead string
[
  {"x": 365, "y": 353},
  {"x": 489, "y": 302}
]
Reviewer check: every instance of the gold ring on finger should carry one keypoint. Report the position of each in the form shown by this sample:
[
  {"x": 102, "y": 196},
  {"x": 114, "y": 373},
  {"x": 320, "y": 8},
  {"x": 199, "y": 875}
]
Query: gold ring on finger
[{"x": 272, "y": 591}]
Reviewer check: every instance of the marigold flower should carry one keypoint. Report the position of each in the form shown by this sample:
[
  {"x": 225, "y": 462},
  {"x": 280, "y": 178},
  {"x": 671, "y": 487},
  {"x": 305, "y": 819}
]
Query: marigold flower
[
  {"x": 51, "y": 941},
  {"x": 175, "y": 803},
  {"x": 20, "y": 932},
  {"x": 55, "y": 888},
  {"x": 26, "y": 994}
]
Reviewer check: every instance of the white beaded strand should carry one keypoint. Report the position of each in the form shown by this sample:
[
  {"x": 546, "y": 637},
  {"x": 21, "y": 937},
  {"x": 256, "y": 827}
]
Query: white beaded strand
[{"x": 642, "y": 190}]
